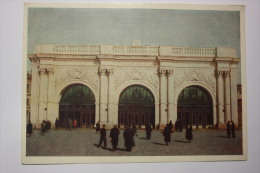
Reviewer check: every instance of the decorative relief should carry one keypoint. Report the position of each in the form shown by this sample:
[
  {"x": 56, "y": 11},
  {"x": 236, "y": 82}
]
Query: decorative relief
[
  {"x": 86, "y": 75},
  {"x": 205, "y": 76},
  {"x": 136, "y": 74}
]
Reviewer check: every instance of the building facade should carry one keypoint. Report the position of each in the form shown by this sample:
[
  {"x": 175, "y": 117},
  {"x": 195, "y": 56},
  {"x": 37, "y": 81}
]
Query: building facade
[{"x": 134, "y": 85}]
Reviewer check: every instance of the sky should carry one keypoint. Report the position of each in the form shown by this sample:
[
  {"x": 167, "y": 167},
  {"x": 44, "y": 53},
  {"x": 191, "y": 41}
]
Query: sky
[{"x": 153, "y": 27}]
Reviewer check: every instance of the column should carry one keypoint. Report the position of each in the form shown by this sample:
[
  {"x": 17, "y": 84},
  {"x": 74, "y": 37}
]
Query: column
[
  {"x": 103, "y": 95},
  {"x": 51, "y": 107},
  {"x": 234, "y": 109},
  {"x": 170, "y": 96},
  {"x": 163, "y": 97},
  {"x": 43, "y": 94},
  {"x": 227, "y": 96},
  {"x": 220, "y": 98},
  {"x": 110, "y": 94},
  {"x": 35, "y": 95}
]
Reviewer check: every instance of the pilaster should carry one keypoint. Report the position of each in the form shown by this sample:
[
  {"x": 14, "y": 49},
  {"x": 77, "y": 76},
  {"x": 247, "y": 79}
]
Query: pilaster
[
  {"x": 35, "y": 94},
  {"x": 220, "y": 98},
  {"x": 111, "y": 114},
  {"x": 170, "y": 94},
  {"x": 43, "y": 94},
  {"x": 227, "y": 97},
  {"x": 163, "y": 97},
  {"x": 51, "y": 106},
  {"x": 103, "y": 95},
  {"x": 234, "y": 107}
]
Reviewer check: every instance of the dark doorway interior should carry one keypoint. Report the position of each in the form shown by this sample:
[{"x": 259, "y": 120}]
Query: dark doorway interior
[
  {"x": 136, "y": 106},
  {"x": 77, "y": 102},
  {"x": 195, "y": 107}
]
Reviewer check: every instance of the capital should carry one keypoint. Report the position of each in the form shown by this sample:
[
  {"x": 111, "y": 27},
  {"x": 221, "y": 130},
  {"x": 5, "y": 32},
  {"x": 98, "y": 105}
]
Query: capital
[
  {"x": 102, "y": 71},
  {"x": 50, "y": 71},
  {"x": 41, "y": 70},
  {"x": 110, "y": 71},
  {"x": 169, "y": 72},
  {"x": 162, "y": 71},
  {"x": 227, "y": 73}
]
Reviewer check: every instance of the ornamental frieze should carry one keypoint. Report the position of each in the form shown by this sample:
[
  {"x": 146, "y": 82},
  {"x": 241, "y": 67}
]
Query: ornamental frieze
[
  {"x": 122, "y": 76},
  {"x": 204, "y": 76},
  {"x": 89, "y": 76}
]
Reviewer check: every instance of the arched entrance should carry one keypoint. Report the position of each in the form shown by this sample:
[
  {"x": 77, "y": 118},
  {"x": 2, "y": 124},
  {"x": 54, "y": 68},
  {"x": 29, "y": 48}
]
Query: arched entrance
[
  {"x": 136, "y": 106},
  {"x": 195, "y": 107},
  {"x": 77, "y": 102}
]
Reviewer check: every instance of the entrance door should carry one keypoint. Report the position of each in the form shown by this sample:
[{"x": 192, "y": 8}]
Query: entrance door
[
  {"x": 195, "y": 107},
  {"x": 77, "y": 102},
  {"x": 136, "y": 106}
]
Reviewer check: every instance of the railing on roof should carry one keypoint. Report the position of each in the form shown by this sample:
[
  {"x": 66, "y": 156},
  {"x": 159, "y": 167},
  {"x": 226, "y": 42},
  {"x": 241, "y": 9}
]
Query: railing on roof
[{"x": 125, "y": 50}]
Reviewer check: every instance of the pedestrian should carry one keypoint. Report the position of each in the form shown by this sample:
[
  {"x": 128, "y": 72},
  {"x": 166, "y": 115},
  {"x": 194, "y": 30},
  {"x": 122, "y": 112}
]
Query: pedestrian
[
  {"x": 228, "y": 129},
  {"x": 167, "y": 134},
  {"x": 180, "y": 125},
  {"x": 43, "y": 127},
  {"x": 134, "y": 129},
  {"x": 75, "y": 124},
  {"x": 97, "y": 126},
  {"x": 114, "y": 133},
  {"x": 148, "y": 129},
  {"x": 233, "y": 129},
  {"x": 188, "y": 134},
  {"x": 176, "y": 125},
  {"x": 29, "y": 129},
  {"x": 129, "y": 138},
  {"x": 57, "y": 123},
  {"x": 103, "y": 136},
  {"x": 170, "y": 126}
]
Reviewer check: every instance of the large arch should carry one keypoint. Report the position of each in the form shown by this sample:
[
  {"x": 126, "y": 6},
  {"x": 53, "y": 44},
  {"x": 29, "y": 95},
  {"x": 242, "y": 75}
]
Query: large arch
[
  {"x": 65, "y": 85},
  {"x": 154, "y": 90},
  {"x": 77, "y": 103},
  {"x": 136, "y": 105},
  {"x": 210, "y": 92}
]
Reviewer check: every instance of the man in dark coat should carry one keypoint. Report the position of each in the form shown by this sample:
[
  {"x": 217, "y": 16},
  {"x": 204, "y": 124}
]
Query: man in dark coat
[
  {"x": 233, "y": 129},
  {"x": 167, "y": 134},
  {"x": 43, "y": 127},
  {"x": 114, "y": 137},
  {"x": 177, "y": 125},
  {"x": 170, "y": 125},
  {"x": 228, "y": 129},
  {"x": 129, "y": 138},
  {"x": 188, "y": 134},
  {"x": 103, "y": 136},
  {"x": 148, "y": 129},
  {"x": 98, "y": 127},
  {"x": 29, "y": 129}
]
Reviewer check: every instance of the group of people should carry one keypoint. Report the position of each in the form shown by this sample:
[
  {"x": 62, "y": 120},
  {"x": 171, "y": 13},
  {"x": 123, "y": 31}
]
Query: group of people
[
  {"x": 168, "y": 130},
  {"x": 231, "y": 129},
  {"x": 113, "y": 137},
  {"x": 129, "y": 133}
]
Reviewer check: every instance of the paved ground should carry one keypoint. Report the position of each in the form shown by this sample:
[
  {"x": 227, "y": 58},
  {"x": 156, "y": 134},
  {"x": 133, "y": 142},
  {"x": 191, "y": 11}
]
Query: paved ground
[{"x": 83, "y": 142}]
